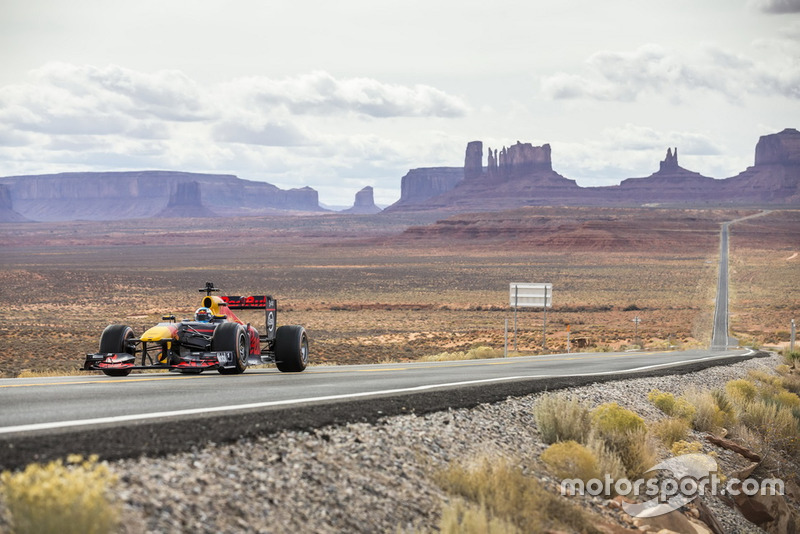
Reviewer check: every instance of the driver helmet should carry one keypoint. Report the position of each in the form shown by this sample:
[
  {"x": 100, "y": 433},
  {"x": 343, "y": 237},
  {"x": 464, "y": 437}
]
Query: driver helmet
[{"x": 203, "y": 315}]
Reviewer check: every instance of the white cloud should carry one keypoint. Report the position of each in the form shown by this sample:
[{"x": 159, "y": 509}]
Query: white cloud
[
  {"x": 266, "y": 134},
  {"x": 651, "y": 69},
  {"x": 165, "y": 94},
  {"x": 319, "y": 93},
  {"x": 776, "y": 6}
]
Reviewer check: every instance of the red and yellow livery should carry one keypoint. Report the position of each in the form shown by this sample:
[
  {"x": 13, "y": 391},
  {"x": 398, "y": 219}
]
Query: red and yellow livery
[{"x": 224, "y": 342}]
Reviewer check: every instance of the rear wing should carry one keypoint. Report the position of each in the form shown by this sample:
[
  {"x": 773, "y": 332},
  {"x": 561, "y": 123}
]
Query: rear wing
[{"x": 258, "y": 302}]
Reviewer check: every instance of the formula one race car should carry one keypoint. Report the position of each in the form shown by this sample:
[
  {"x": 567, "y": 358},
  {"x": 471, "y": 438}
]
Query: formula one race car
[{"x": 215, "y": 339}]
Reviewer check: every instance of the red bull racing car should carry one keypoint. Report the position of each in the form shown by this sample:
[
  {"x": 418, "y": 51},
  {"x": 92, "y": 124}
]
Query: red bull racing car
[{"x": 214, "y": 339}]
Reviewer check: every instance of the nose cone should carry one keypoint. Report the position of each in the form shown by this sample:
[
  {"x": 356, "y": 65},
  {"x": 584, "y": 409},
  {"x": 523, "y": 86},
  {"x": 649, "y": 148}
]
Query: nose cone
[{"x": 159, "y": 332}]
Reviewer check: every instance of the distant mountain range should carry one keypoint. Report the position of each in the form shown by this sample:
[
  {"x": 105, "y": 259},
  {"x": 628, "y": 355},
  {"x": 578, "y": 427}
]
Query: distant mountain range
[
  {"x": 522, "y": 175},
  {"x": 516, "y": 176},
  {"x": 98, "y": 196}
]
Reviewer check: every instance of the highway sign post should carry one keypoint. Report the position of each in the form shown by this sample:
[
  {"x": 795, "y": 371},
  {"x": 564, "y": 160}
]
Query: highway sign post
[
  {"x": 531, "y": 296},
  {"x": 568, "y": 347}
]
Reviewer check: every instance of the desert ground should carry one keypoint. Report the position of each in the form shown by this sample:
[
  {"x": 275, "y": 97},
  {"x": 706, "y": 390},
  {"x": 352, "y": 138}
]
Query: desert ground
[{"x": 385, "y": 287}]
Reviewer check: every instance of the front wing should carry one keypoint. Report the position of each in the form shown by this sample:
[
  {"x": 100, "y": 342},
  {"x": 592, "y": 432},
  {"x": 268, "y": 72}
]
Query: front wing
[{"x": 193, "y": 361}]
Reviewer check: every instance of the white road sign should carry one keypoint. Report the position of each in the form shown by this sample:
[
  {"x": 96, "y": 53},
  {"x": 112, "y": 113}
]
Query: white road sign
[{"x": 531, "y": 295}]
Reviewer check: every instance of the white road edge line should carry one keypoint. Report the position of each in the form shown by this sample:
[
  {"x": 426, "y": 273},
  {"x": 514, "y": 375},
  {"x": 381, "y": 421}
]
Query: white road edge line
[{"x": 289, "y": 402}]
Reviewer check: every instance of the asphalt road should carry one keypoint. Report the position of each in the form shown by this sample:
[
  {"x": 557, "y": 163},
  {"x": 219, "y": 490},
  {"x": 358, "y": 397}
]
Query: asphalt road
[
  {"x": 44, "y": 418},
  {"x": 720, "y": 340}
]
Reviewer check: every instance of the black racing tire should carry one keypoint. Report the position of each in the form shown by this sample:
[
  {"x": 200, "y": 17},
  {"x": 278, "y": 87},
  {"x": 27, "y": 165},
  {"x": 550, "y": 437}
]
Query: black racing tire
[
  {"x": 291, "y": 349},
  {"x": 116, "y": 338},
  {"x": 232, "y": 337}
]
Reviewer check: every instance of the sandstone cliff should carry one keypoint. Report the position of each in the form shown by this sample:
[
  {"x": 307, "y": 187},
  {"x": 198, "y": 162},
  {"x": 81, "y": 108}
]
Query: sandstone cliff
[
  {"x": 364, "y": 202},
  {"x": 7, "y": 213},
  {"x": 520, "y": 175},
  {"x": 186, "y": 201},
  {"x": 775, "y": 177},
  {"x": 122, "y": 195},
  {"x": 419, "y": 185}
]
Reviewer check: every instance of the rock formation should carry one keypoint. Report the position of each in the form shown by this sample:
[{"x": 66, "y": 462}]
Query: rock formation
[
  {"x": 124, "y": 195},
  {"x": 519, "y": 161},
  {"x": 186, "y": 201},
  {"x": 519, "y": 175},
  {"x": 418, "y": 185},
  {"x": 775, "y": 177},
  {"x": 364, "y": 202},
  {"x": 7, "y": 213},
  {"x": 670, "y": 163},
  {"x": 522, "y": 175},
  {"x": 782, "y": 148},
  {"x": 671, "y": 183},
  {"x": 473, "y": 160}
]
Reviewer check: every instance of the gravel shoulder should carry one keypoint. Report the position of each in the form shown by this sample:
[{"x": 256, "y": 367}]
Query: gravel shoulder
[{"x": 374, "y": 476}]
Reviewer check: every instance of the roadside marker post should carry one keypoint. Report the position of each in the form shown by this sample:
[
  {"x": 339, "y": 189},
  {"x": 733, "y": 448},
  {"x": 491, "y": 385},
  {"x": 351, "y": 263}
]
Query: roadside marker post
[
  {"x": 505, "y": 345},
  {"x": 568, "y": 338}
]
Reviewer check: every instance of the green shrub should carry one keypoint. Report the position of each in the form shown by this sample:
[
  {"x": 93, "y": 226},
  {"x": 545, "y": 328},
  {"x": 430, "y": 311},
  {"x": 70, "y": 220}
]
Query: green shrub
[
  {"x": 741, "y": 391},
  {"x": 560, "y": 418},
  {"x": 612, "y": 418},
  {"x": 570, "y": 459},
  {"x": 667, "y": 403},
  {"x": 766, "y": 378},
  {"x": 662, "y": 400},
  {"x": 625, "y": 433},
  {"x": 786, "y": 399},
  {"x": 60, "y": 498},
  {"x": 670, "y": 430}
]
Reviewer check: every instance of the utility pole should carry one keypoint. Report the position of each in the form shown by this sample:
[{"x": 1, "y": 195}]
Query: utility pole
[
  {"x": 636, "y": 322},
  {"x": 791, "y": 339}
]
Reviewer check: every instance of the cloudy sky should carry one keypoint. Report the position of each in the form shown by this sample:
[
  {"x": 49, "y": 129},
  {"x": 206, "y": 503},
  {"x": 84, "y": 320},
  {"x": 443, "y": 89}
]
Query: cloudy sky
[{"x": 340, "y": 95}]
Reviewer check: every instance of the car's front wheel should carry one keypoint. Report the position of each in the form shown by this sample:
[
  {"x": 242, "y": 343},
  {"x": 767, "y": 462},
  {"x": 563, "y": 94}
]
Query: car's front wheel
[
  {"x": 232, "y": 337},
  {"x": 291, "y": 348},
  {"x": 116, "y": 338}
]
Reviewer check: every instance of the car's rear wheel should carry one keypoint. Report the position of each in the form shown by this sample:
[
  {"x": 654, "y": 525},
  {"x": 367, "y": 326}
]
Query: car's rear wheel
[
  {"x": 291, "y": 348},
  {"x": 232, "y": 337},
  {"x": 117, "y": 338}
]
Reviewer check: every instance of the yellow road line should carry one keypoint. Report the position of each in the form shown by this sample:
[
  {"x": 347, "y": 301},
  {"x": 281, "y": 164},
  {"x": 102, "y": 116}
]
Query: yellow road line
[{"x": 93, "y": 382}]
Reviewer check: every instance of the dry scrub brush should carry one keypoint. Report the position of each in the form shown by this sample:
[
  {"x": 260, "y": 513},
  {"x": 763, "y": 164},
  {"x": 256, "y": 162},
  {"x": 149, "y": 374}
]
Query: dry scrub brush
[
  {"x": 60, "y": 498},
  {"x": 625, "y": 433},
  {"x": 561, "y": 418},
  {"x": 498, "y": 497},
  {"x": 612, "y": 438}
]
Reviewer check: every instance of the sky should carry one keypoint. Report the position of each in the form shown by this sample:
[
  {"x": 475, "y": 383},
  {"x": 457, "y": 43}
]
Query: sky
[{"x": 346, "y": 94}]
